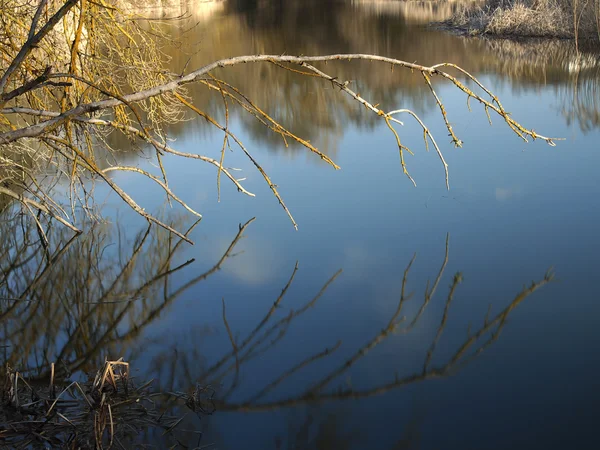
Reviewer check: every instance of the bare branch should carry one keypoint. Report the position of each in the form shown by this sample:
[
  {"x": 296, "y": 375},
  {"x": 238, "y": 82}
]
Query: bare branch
[
  {"x": 33, "y": 40},
  {"x": 38, "y": 129},
  {"x": 29, "y": 202},
  {"x": 89, "y": 114}
]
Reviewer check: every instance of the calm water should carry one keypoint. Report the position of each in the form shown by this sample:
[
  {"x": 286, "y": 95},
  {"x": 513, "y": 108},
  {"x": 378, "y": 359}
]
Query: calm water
[{"x": 408, "y": 322}]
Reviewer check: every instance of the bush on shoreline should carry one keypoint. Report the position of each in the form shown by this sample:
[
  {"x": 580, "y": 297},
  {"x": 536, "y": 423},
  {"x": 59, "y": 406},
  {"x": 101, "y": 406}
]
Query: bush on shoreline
[{"x": 579, "y": 19}]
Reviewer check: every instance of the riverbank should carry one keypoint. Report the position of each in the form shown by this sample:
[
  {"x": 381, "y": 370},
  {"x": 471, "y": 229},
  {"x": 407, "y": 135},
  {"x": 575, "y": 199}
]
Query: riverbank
[{"x": 567, "y": 19}]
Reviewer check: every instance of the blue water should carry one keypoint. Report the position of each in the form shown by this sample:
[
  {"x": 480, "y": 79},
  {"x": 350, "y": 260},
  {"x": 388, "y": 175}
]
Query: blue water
[{"x": 513, "y": 212}]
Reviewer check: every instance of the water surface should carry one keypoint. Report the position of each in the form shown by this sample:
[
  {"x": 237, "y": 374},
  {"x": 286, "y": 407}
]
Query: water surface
[{"x": 395, "y": 317}]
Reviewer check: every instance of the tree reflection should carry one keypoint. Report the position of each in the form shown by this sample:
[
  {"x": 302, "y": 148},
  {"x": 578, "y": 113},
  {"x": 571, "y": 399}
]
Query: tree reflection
[
  {"x": 265, "y": 336},
  {"x": 310, "y": 109},
  {"x": 74, "y": 299},
  {"x": 178, "y": 369},
  {"x": 573, "y": 75}
]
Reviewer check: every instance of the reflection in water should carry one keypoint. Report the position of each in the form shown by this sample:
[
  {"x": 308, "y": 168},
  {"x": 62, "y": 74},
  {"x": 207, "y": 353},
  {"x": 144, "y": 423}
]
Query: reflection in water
[
  {"x": 227, "y": 369},
  {"x": 583, "y": 103},
  {"x": 574, "y": 76},
  {"x": 76, "y": 300},
  {"x": 311, "y": 109},
  {"x": 414, "y": 11},
  {"x": 108, "y": 294}
]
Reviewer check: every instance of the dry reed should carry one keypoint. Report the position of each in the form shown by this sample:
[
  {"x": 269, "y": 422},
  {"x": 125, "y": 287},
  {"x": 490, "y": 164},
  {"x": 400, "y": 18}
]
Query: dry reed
[
  {"x": 106, "y": 410},
  {"x": 531, "y": 18}
]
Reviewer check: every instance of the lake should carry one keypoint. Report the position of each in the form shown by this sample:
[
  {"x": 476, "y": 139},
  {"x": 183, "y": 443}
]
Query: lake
[{"x": 395, "y": 316}]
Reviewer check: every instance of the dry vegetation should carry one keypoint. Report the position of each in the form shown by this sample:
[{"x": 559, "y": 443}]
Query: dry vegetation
[
  {"x": 107, "y": 409},
  {"x": 49, "y": 315},
  {"x": 532, "y": 18}
]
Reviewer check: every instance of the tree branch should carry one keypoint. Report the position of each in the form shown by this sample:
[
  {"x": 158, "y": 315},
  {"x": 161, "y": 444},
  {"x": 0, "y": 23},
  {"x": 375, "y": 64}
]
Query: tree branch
[
  {"x": 86, "y": 108},
  {"x": 34, "y": 39}
]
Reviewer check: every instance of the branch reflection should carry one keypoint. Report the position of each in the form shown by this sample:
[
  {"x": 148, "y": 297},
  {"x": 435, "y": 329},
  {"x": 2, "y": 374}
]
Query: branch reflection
[
  {"x": 74, "y": 300},
  {"x": 77, "y": 299},
  {"x": 227, "y": 371}
]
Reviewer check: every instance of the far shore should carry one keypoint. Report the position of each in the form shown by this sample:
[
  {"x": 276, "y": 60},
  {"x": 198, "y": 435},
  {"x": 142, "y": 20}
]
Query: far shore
[{"x": 519, "y": 19}]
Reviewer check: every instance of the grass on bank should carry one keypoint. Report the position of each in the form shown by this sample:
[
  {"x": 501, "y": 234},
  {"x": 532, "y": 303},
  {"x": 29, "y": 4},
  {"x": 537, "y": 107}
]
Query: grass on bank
[{"x": 579, "y": 19}]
